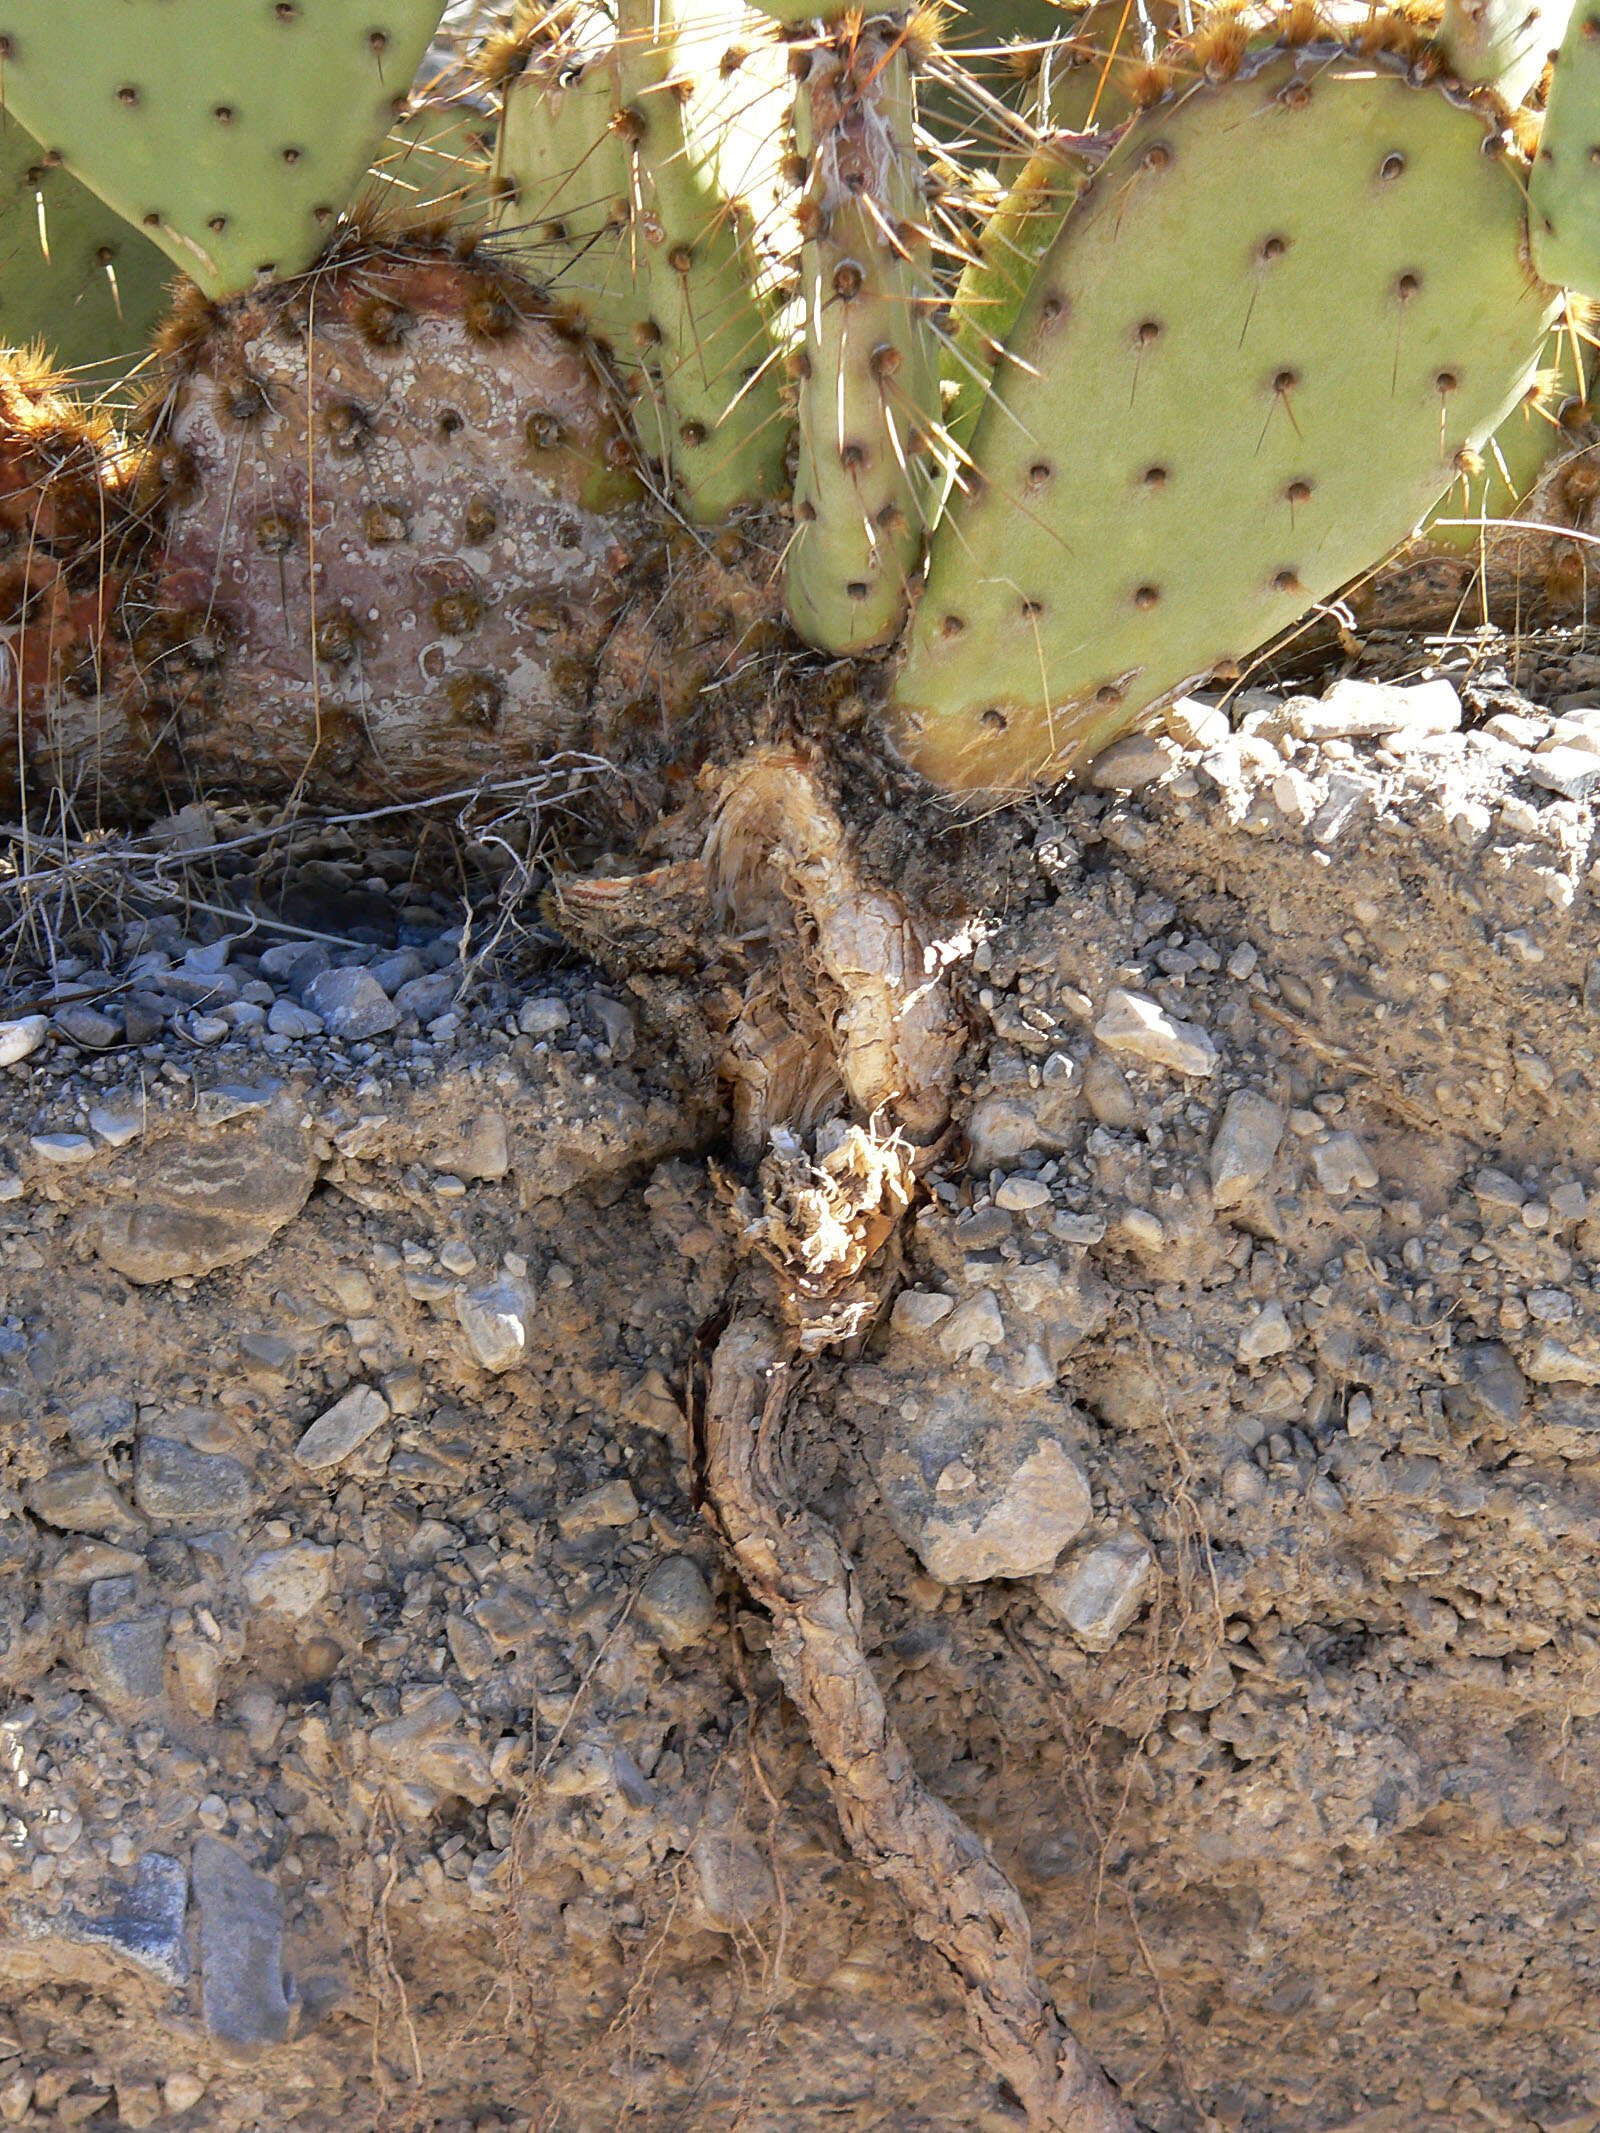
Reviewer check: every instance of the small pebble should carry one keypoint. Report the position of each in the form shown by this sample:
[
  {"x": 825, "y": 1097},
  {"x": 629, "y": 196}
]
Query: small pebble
[
  {"x": 1140, "y": 1026},
  {"x": 1020, "y": 1195}
]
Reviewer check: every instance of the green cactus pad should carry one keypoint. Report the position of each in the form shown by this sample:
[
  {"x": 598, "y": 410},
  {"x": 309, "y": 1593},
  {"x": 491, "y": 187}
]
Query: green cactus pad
[
  {"x": 868, "y": 389},
  {"x": 992, "y": 287},
  {"x": 636, "y": 161},
  {"x": 1564, "y": 190},
  {"x": 1530, "y": 438},
  {"x": 233, "y": 132},
  {"x": 565, "y": 178},
  {"x": 703, "y": 113},
  {"x": 435, "y": 163},
  {"x": 1246, "y": 369},
  {"x": 74, "y": 279},
  {"x": 1503, "y": 43}
]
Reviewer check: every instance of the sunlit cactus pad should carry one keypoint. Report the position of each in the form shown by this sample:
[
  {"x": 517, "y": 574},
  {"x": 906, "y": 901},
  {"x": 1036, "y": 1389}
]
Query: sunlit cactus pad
[
  {"x": 1564, "y": 190},
  {"x": 1254, "y": 357},
  {"x": 231, "y": 131}
]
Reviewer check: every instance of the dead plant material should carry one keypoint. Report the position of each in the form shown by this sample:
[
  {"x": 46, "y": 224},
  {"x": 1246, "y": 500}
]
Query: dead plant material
[
  {"x": 820, "y": 1218},
  {"x": 959, "y": 1901},
  {"x": 879, "y": 1011}
]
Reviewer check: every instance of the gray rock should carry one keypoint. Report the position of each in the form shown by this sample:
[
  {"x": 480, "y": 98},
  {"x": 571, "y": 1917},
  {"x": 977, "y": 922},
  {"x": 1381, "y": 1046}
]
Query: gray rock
[
  {"x": 294, "y": 1580},
  {"x": 1553, "y": 1364},
  {"x": 231, "y": 1099},
  {"x": 172, "y": 1481},
  {"x": 1343, "y": 1166},
  {"x": 1137, "y": 760},
  {"x": 197, "y": 988},
  {"x": 21, "y": 1038},
  {"x": 1245, "y": 1146},
  {"x": 339, "y": 1429},
  {"x": 980, "y": 1492},
  {"x": 1099, "y": 1589},
  {"x": 197, "y": 1204},
  {"x": 78, "y": 1499},
  {"x": 734, "y": 1888},
  {"x": 1492, "y": 1388},
  {"x": 614, "y": 1020},
  {"x": 116, "y": 1128},
  {"x": 403, "y": 967},
  {"x": 1060, "y": 1306},
  {"x": 1268, "y": 1333},
  {"x": 247, "y": 1999},
  {"x": 1243, "y": 1482},
  {"x": 286, "y": 1019},
  {"x": 1346, "y": 796},
  {"x": 124, "y": 1661},
  {"x": 1136, "y": 1024},
  {"x": 495, "y": 1320},
  {"x": 1109, "y": 1093},
  {"x": 545, "y": 1017},
  {"x": 917, "y": 1311},
  {"x": 1021, "y": 1195},
  {"x": 1573, "y": 773},
  {"x": 429, "y": 996},
  {"x": 99, "y": 1425},
  {"x": 147, "y": 1924},
  {"x": 1362, "y": 710},
  {"x": 675, "y": 1604},
  {"x": 485, "y": 1152},
  {"x": 64, "y": 1151},
  {"x": 1012, "y": 1123},
  {"x": 352, "y": 1004},
  {"x": 90, "y": 1027},
  {"x": 973, "y": 1324},
  {"x": 613, "y": 1503}
]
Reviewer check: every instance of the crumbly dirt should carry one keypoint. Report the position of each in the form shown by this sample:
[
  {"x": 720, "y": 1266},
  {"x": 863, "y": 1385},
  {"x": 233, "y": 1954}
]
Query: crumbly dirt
[{"x": 480, "y": 1707}]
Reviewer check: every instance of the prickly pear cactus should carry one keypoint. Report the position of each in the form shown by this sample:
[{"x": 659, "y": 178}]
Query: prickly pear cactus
[
  {"x": 1564, "y": 190},
  {"x": 562, "y": 171},
  {"x": 868, "y": 396},
  {"x": 994, "y": 284},
  {"x": 1503, "y": 43},
  {"x": 390, "y": 499},
  {"x": 233, "y": 135},
  {"x": 638, "y": 161},
  {"x": 1252, "y": 444},
  {"x": 75, "y": 280},
  {"x": 436, "y": 165},
  {"x": 69, "y": 535}
]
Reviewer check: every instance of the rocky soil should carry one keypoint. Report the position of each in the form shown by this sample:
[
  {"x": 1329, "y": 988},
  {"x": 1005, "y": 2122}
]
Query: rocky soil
[{"x": 385, "y": 1741}]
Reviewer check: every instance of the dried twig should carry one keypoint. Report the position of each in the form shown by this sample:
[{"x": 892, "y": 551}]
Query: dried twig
[{"x": 960, "y": 1902}]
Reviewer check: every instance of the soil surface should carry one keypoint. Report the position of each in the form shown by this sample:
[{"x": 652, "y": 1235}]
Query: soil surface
[{"x": 384, "y": 1738}]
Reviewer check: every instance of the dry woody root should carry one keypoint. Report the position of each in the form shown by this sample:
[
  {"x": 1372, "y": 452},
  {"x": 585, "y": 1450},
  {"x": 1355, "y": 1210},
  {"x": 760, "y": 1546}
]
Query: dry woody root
[{"x": 960, "y": 1902}]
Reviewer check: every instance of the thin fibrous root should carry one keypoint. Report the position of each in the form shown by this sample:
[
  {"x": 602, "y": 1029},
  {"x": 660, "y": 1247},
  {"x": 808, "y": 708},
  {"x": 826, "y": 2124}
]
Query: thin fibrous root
[{"x": 960, "y": 1902}]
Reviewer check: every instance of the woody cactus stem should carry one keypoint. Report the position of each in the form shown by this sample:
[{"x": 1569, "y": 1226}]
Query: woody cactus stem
[
  {"x": 959, "y": 1900},
  {"x": 868, "y": 398}
]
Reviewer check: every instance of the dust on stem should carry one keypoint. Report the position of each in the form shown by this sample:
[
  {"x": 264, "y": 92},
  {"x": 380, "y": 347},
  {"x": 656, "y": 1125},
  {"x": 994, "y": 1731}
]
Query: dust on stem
[{"x": 960, "y": 1902}]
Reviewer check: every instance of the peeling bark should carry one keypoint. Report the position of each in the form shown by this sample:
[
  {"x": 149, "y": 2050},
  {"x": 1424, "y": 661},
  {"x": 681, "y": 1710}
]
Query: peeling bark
[{"x": 959, "y": 1901}]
